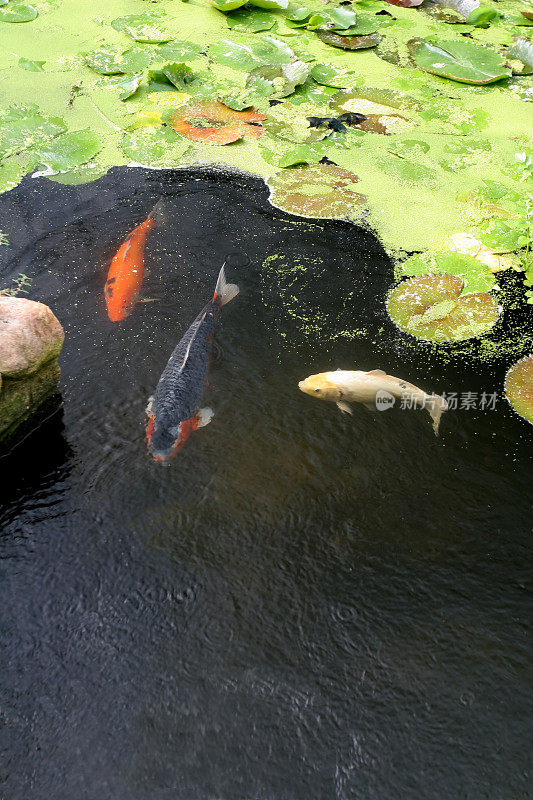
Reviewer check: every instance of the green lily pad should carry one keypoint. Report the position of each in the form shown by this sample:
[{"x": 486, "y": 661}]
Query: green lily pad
[
  {"x": 464, "y": 62},
  {"x": 329, "y": 76},
  {"x": 235, "y": 55},
  {"x": 519, "y": 387},
  {"x": 69, "y": 150},
  {"x": 348, "y": 42},
  {"x": 503, "y": 236},
  {"x": 179, "y": 75},
  {"x": 31, "y": 66},
  {"x": 157, "y": 147},
  {"x": 271, "y": 51},
  {"x": 18, "y": 13},
  {"x": 142, "y": 28},
  {"x": 178, "y": 51},
  {"x": 130, "y": 85},
  {"x": 363, "y": 25},
  {"x": 19, "y": 132},
  {"x": 283, "y": 79},
  {"x": 432, "y": 307},
  {"x": 111, "y": 61},
  {"x": 481, "y": 17},
  {"x": 273, "y": 5},
  {"x": 476, "y": 276},
  {"x": 296, "y": 13},
  {"x": 250, "y": 21},
  {"x": 227, "y": 5}
]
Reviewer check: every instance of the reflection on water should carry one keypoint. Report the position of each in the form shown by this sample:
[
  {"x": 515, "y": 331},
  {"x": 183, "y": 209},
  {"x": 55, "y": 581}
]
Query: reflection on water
[{"x": 305, "y": 605}]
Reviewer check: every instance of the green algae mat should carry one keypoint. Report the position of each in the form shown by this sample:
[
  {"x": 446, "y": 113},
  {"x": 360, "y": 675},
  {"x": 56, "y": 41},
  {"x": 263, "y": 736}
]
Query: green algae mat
[{"x": 411, "y": 117}]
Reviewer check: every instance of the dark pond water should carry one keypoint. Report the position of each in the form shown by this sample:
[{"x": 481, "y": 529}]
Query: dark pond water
[{"x": 305, "y": 605}]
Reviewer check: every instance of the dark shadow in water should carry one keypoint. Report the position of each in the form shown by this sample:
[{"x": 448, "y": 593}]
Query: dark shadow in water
[{"x": 303, "y": 605}]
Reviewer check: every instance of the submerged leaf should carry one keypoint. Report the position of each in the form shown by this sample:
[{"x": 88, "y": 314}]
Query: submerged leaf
[
  {"x": 519, "y": 387},
  {"x": 461, "y": 61},
  {"x": 323, "y": 191},
  {"x": 348, "y": 42},
  {"x": 18, "y": 13},
  {"x": 432, "y": 307}
]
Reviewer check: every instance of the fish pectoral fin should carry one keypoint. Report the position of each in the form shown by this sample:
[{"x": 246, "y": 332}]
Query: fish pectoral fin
[
  {"x": 205, "y": 415},
  {"x": 376, "y": 372},
  {"x": 148, "y": 408},
  {"x": 344, "y": 407}
]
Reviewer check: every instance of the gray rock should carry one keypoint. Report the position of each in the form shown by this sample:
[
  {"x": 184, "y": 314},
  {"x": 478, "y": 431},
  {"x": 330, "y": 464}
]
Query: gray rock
[
  {"x": 30, "y": 336},
  {"x": 20, "y": 399}
]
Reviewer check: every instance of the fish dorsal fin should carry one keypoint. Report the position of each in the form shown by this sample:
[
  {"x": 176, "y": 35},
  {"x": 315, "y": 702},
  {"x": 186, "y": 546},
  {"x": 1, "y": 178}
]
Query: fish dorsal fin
[
  {"x": 186, "y": 356},
  {"x": 376, "y": 372}
]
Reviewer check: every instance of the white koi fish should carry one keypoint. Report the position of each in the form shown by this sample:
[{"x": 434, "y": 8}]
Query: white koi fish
[{"x": 354, "y": 386}]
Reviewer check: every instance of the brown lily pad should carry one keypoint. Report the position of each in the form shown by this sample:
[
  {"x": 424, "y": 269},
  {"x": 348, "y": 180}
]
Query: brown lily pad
[
  {"x": 348, "y": 42},
  {"x": 519, "y": 387},
  {"x": 212, "y": 122},
  {"x": 322, "y": 191},
  {"x": 432, "y": 307}
]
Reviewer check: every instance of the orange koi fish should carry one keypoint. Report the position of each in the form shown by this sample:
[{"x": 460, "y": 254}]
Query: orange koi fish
[{"x": 125, "y": 276}]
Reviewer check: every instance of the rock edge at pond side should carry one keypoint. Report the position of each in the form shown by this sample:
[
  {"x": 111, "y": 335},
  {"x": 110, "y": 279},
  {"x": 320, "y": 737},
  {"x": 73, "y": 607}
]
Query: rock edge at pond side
[{"x": 31, "y": 338}]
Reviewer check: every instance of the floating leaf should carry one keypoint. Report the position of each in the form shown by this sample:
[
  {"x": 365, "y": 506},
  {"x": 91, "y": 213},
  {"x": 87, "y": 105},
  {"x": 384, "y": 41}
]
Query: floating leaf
[
  {"x": 329, "y": 76},
  {"x": 249, "y": 21},
  {"x": 235, "y": 55},
  {"x": 18, "y": 13},
  {"x": 178, "y": 51},
  {"x": 519, "y": 387},
  {"x": 284, "y": 154},
  {"x": 69, "y": 150},
  {"x": 130, "y": 85},
  {"x": 31, "y": 66},
  {"x": 214, "y": 123},
  {"x": 227, "y": 5},
  {"x": 349, "y": 42},
  {"x": 432, "y": 307},
  {"x": 240, "y": 99},
  {"x": 462, "y": 7},
  {"x": 112, "y": 61},
  {"x": 271, "y": 51},
  {"x": 467, "y": 244},
  {"x": 503, "y": 236},
  {"x": 154, "y": 147},
  {"x": 522, "y": 50},
  {"x": 275, "y": 5},
  {"x": 179, "y": 75},
  {"x": 283, "y": 79},
  {"x": 322, "y": 190},
  {"x": 296, "y": 13},
  {"x": 19, "y": 132},
  {"x": 405, "y": 3},
  {"x": 475, "y": 274},
  {"x": 481, "y": 17},
  {"x": 363, "y": 25},
  {"x": 142, "y": 28},
  {"x": 461, "y": 61}
]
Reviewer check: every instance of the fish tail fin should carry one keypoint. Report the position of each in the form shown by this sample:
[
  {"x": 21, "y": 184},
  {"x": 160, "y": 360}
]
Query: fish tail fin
[
  {"x": 157, "y": 214},
  {"x": 223, "y": 290},
  {"x": 435, "y": 406}
]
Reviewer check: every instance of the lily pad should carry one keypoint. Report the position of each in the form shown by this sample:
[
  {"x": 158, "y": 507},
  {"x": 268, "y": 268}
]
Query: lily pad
[
  {"x": 405, "y": 3},
  {"x": 324, "y": 191},
  {"x": 476, "y": 275},
  {"x": 348, "y": 42},
  {"x": 155, "y": 147},
  {"x": 18, "y": 13},
  {"x": 296, "y": 13},
  {"x": 329, "y": 76},
  {"x": 464, "y": 62},
  {"x": 130, "y": 85},
  {"x": 283, "y": 79},
  {"x": 273, "y": 5},
  {"x": 433, "y": 307},
  {"x": 250, "y": 21},
  {"x": 178, "y": 51},
  {"x": 142, "y": 28},
  {"x": 519, "y": 387},
  {"x": 212, "y": 122},
  {"x": 234, "y": 54},
  {"x": 283, "y": 154},
  {"x": 112, "y": 61},
  {"x": 227, "y": 5},
  {"x": 19, "y": 132},
  {"x": 69, "y": 150},
  {"x": 31, "y": 66},
  {"x": 179, "y": 75}
]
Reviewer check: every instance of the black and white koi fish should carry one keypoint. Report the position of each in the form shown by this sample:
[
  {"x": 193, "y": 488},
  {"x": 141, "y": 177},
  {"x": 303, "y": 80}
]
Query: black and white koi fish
[{"x": 174, "y": 410}]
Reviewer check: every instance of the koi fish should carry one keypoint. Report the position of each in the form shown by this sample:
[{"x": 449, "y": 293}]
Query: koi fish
[
  {"x": 353, "y": 386},
  {"x": 174, "y": 410},
  {"x": 125, "y": 276}
]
